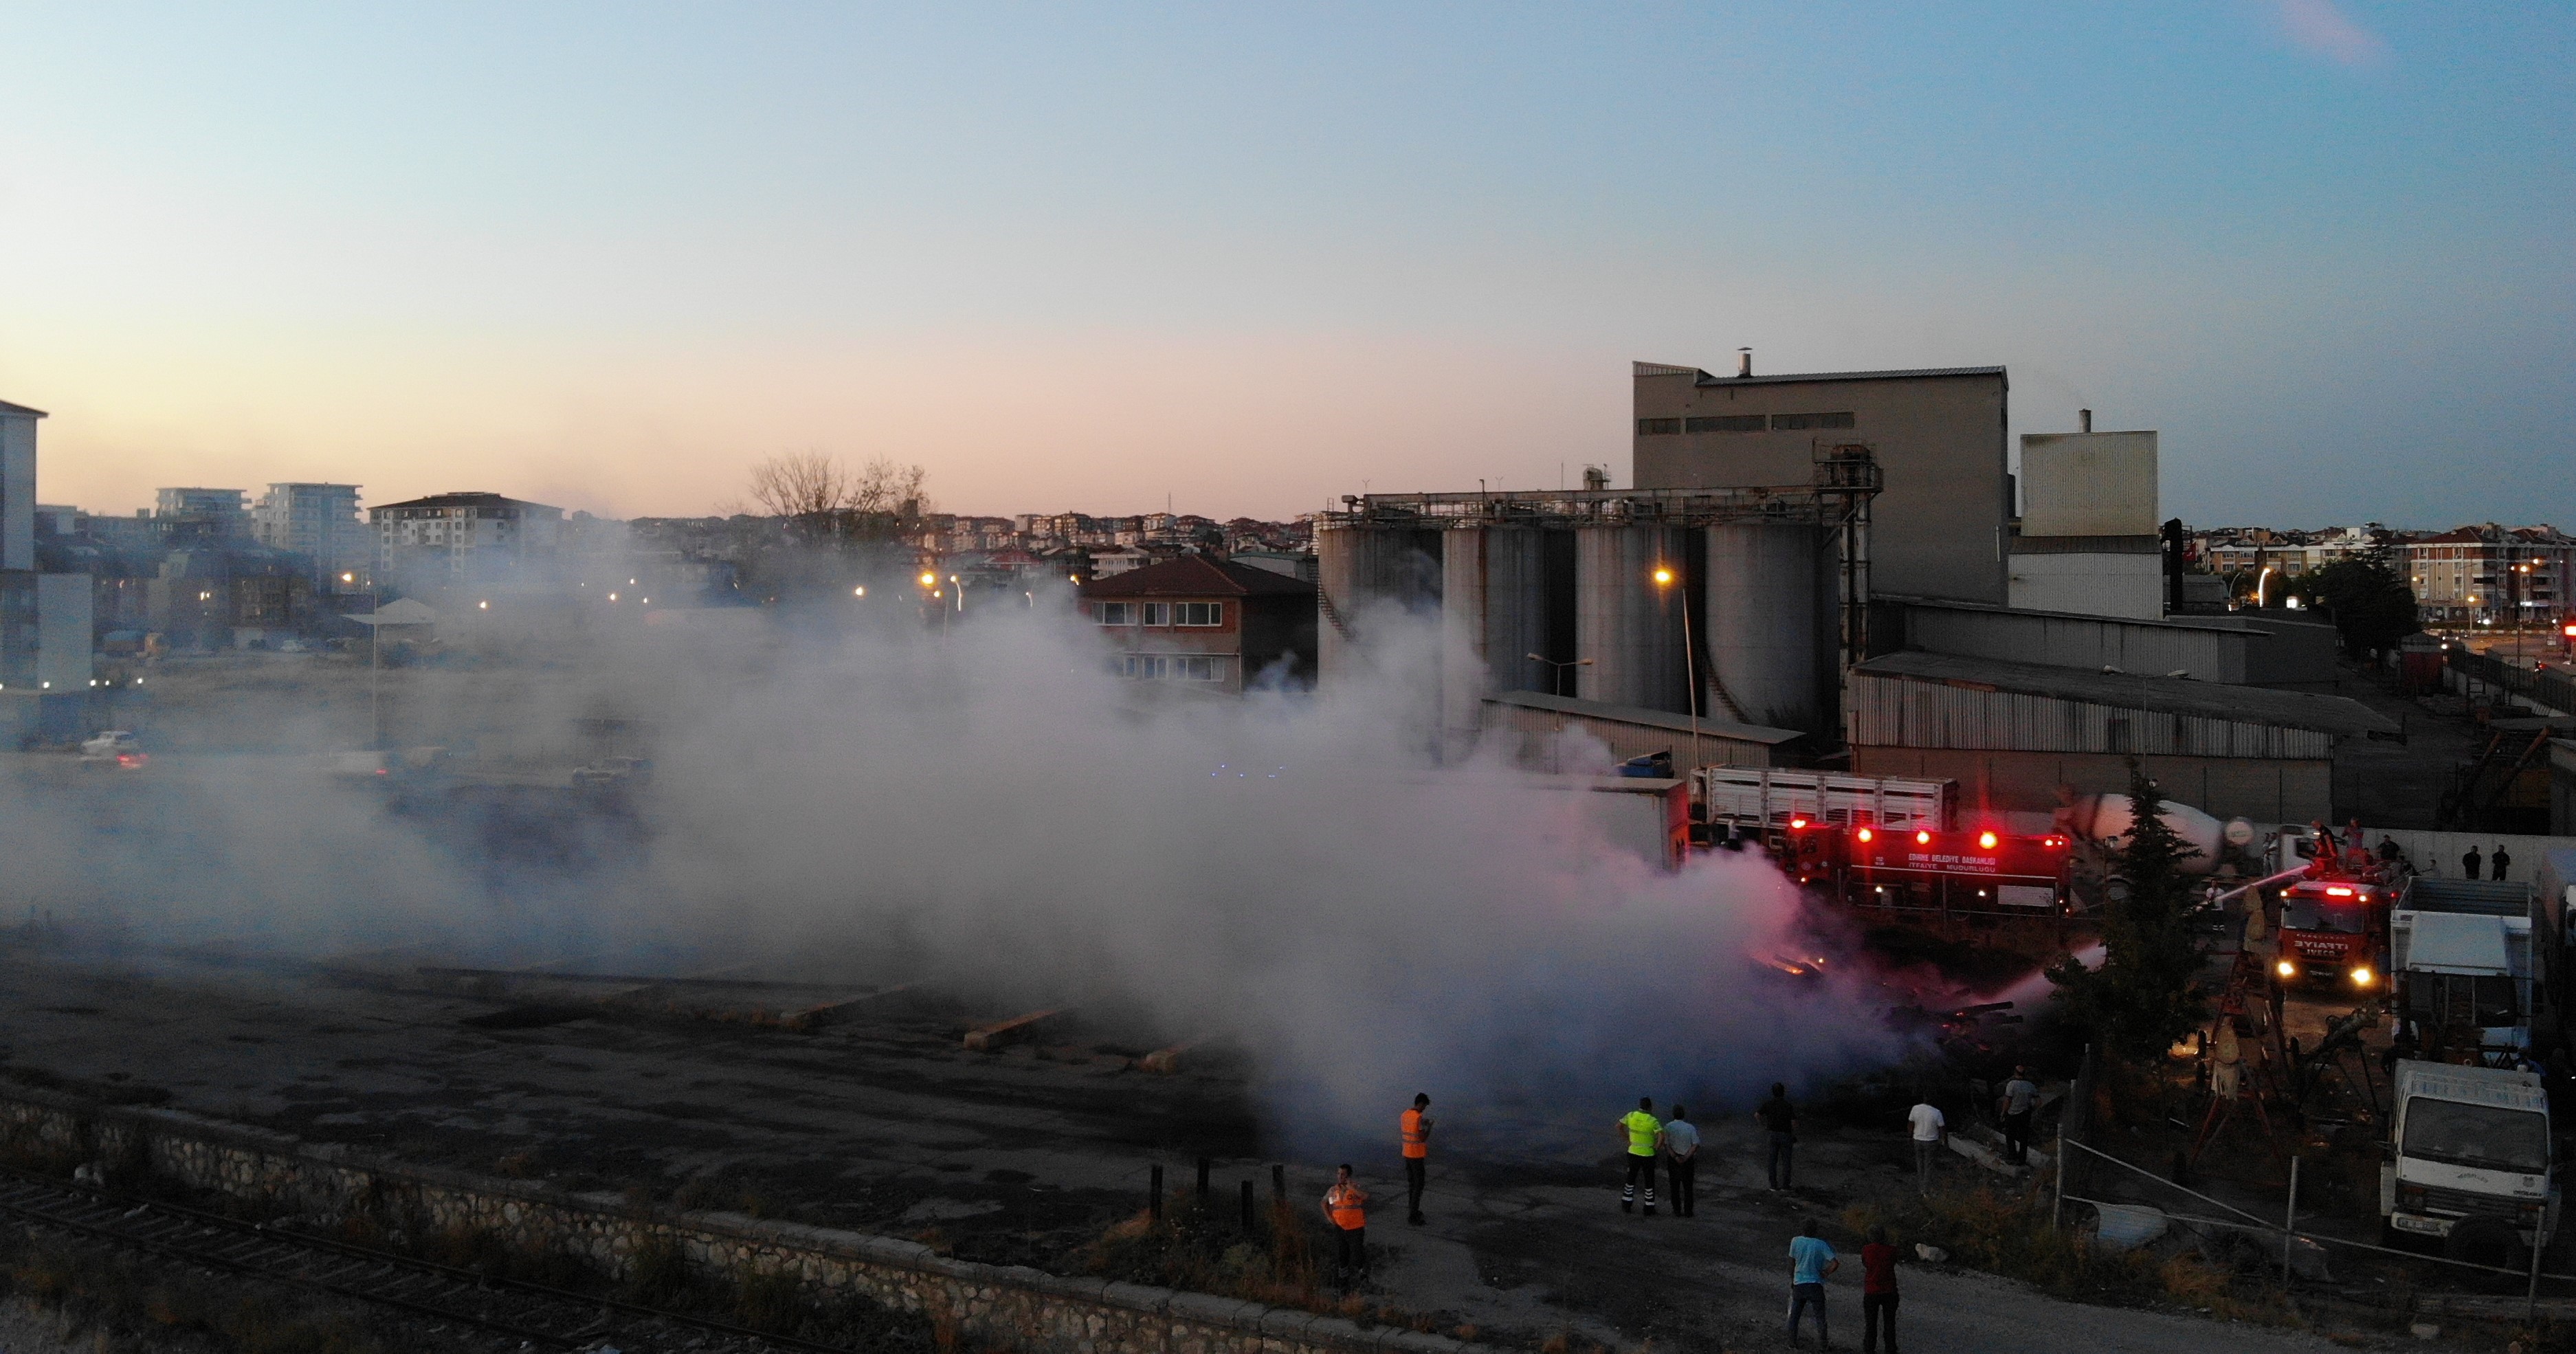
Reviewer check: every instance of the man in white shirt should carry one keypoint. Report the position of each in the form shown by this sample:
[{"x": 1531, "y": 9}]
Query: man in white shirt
[
  {"x": 1930, "y": 1131},
  {"x": 1681, "y": 1162}
]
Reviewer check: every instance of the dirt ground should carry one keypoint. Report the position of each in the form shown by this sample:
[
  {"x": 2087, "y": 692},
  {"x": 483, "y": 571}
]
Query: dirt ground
[{"x": 885, "y": 1123}]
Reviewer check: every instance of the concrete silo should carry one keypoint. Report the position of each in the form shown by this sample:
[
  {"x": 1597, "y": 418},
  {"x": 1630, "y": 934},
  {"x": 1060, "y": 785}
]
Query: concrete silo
[
  {"x": 1363, "y": 567},
  {"x": 1772, "y": 628},
  {"x": 1628, "y": 625},
  {"x": 1494, "y": 612}
]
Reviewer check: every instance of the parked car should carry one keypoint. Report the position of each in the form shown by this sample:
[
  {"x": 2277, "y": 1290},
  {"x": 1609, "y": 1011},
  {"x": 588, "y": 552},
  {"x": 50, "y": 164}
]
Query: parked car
[{"x": 113, "y": 747}]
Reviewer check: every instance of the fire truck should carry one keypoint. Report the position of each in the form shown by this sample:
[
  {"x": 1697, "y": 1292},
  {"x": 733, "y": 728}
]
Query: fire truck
[
  {"x": 1921, "y": 870},
  {"x": 2334, "y": 917}
]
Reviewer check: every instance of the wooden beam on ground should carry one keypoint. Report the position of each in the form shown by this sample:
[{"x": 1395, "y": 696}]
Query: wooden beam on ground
[
  {"x": 1167, "y": 1060},
  {"x": 985, "y": 1038},
  {"x": 823, "y": 1012}
]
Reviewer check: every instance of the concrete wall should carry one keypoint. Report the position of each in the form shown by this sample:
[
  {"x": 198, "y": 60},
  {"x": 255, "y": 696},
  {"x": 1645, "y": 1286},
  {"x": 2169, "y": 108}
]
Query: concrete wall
[
  {"x": 2124, "y": 585},
  {"x": 2088, "y": 484},
  {"x": 63, "y": 631},
  {"x": 1938, "y": 528},
  {"x": 1009, "y": 1307},
  {"x": 2265, "y": 791}
]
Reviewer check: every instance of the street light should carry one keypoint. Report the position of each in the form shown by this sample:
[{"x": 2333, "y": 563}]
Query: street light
[
  {"x": 1556, "y": 680},
  {"x": 1690, "y": 660}
]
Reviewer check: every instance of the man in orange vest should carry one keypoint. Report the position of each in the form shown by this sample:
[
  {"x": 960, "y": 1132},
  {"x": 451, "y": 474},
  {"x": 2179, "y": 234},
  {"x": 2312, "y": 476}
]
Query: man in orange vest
[
  {"x": 1416, "y": 1127},
  {"x": 1346, "y": 1207}
]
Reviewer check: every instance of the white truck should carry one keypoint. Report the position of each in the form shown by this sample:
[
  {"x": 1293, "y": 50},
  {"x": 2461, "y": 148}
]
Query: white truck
[
  {"x": 2470, "y": 1163},
  {"x": 2468, "y": 974},
  {"x": 1763, "y": 803}
]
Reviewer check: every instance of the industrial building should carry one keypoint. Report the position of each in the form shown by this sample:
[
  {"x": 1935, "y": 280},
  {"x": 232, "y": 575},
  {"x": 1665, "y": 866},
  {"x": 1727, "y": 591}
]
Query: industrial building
[
  {"x": 2017, "y": 736},
  {"x": 2086, "y": 540},
  {"x": 1736, "y": 604},
  {"x": 1942, "y": 522}
]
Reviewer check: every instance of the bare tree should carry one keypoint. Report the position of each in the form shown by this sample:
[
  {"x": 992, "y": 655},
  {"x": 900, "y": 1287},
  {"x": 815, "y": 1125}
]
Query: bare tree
[
  {"x": 884, "y": 486},
  {"x": 792, "y": 486}
]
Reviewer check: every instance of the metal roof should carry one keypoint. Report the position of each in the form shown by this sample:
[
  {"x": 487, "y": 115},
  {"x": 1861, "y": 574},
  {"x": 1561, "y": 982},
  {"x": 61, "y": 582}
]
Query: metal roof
[
  {"x": 2137, "y": 691},
  {"x": 8, "y": 408},
  {"x": 1800, "y": 378},
  {"x": 1705, "y": 727}
]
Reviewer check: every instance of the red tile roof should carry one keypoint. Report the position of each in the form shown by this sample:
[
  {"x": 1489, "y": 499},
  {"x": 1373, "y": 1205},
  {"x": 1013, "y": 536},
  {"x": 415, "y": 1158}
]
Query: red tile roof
[{"x": 1198, "y": 576}]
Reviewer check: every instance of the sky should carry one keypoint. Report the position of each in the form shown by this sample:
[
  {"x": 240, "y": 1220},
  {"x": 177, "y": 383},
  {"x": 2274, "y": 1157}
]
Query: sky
[{"x": 1246, "y": 259}]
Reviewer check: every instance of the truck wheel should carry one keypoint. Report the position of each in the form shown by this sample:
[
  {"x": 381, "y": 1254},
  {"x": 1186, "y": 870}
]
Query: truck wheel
[{"x": 2487, "y": 1241}]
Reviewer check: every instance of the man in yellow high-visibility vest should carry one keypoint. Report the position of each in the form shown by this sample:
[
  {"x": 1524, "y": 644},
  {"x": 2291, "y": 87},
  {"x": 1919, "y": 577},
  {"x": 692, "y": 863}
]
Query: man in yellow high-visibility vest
[{"x": 1642, "y": 1133}]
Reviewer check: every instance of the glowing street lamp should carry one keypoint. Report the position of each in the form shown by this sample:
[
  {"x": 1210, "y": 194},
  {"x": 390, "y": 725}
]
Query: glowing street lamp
[{"x": 1664, "y": 579}]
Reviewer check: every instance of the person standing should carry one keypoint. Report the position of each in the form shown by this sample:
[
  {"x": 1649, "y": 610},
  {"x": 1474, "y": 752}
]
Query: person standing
[
  {"x": 1811, "y": 1258},
  {"x": 1415, "y": 1127},
  {"x": 2021, "y": 1096},
  {"x": 1930, "y": 1129},
  {"x": 2469, "y": 861},
  {"x": 1681, "y": 1162},
  {"x": 1642, "y": 1131},
  {"x": 2500, "y": 861},
  {"x": 1780, "y": 1125},
  {"x": 1346, "y": 1207},
  {"x": 1877, "y": 1291}
]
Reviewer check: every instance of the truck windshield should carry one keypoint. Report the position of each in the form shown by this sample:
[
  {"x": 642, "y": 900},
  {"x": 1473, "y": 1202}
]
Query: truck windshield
[
  {"x": 2300, "y": 913},
  {"x": 2485, "y": 1136}
]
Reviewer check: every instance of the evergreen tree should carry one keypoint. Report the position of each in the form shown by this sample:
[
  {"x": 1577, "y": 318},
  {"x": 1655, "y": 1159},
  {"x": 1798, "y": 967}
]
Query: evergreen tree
[{"x": 2145, "y": 995}]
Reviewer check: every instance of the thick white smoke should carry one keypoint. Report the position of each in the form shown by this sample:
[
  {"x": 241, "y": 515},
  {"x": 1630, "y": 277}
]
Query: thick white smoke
[{"x": 989, "y": 805}]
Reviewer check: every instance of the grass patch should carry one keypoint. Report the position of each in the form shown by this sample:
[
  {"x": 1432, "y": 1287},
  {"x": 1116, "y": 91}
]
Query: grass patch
[{"x": 2005, "y": 1231}]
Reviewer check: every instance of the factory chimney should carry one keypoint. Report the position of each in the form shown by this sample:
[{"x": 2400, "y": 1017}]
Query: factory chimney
[
  {"x": 2084, "y": 418},
  {"x": 1743, "y": 361}
]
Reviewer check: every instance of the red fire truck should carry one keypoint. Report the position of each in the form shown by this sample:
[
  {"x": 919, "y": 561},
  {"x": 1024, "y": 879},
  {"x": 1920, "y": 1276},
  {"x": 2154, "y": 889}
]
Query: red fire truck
[
  {"x": 2334, "y": 918},
  {"x": 1913, "y": 869}
]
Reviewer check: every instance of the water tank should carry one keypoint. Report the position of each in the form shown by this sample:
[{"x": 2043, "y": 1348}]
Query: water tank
[
  {"x": 1626, "y": 623},
  {"x": 1773, "y": 635}
]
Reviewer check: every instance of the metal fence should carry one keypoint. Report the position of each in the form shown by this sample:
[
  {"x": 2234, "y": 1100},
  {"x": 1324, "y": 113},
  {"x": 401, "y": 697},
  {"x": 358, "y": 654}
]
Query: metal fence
[{"x": 2546, "y": 688}]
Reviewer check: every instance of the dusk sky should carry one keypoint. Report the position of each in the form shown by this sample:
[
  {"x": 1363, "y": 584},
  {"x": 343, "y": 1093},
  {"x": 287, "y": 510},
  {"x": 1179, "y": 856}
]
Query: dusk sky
[{"x": 1255, "y": 257}]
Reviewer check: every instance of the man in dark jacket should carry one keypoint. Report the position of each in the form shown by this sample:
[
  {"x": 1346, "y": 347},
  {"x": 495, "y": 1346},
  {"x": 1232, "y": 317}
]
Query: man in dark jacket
[{"x": 1780, "y": 1124}]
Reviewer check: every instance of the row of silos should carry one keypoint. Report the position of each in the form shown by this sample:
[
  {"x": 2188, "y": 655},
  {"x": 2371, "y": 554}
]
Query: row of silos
[{"x": 1616, "y": 611}]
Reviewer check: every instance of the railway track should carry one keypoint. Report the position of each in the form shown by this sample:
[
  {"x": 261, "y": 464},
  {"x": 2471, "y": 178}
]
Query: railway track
[{"x": 536, "y": 1315}]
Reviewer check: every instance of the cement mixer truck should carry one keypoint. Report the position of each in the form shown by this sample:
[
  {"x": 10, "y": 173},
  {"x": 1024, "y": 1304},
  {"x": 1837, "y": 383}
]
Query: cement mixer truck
[{"x": 2105, "y": 820}]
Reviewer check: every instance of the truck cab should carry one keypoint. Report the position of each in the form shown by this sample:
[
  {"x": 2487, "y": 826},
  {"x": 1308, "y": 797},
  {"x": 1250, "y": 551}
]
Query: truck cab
[
  {"x": 2470, "y": 1162},
  {"x": 2333, "y": 931}
]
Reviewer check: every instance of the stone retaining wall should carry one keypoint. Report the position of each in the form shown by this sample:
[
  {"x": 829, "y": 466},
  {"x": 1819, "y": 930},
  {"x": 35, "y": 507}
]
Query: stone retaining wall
[{"x": 1011, "y": 1306}]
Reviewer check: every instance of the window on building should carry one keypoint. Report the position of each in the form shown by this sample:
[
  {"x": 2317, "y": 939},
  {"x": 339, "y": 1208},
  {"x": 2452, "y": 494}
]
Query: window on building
[
  {"x": 1158, "y": 613},
  {"x": 1782, "y": 422},
  {"x": 1199, "y": 669},
  {"x": 1117, "y": 613},
  {"x": 1199, "y": 613},
  {"x": 1727, "y": 423},
  {"x": 1651, "y": 427}
]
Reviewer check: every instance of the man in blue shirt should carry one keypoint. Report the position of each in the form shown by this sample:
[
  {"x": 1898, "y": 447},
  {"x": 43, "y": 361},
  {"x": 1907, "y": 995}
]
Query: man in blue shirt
[{"x": 1811, "y": 1258}]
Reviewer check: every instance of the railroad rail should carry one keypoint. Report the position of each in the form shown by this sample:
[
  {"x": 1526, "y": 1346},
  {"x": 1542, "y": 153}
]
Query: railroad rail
[{"x": 536, "y": 1314}]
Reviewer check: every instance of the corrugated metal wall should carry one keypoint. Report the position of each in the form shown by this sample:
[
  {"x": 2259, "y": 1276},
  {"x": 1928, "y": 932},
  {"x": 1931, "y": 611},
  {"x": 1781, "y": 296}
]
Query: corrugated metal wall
[{"x": 1895, "y": 712}]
